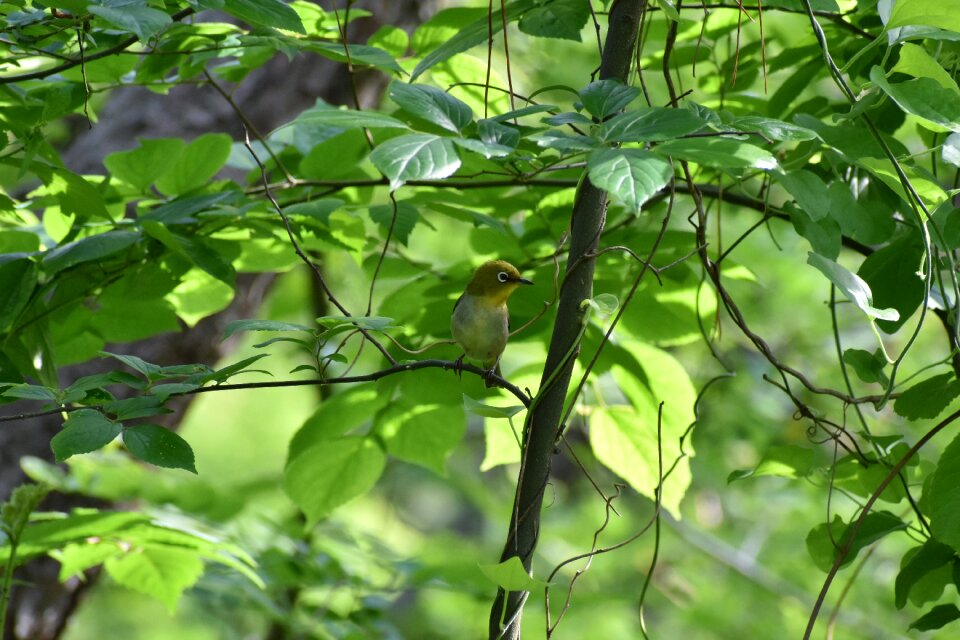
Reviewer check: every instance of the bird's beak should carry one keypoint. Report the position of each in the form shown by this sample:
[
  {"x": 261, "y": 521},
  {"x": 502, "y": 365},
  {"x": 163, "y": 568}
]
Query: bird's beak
[{"x": 523, "y": 281}]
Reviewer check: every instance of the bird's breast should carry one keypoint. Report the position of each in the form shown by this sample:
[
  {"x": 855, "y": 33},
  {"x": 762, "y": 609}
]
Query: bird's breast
[{"x": 480, "y": 328}]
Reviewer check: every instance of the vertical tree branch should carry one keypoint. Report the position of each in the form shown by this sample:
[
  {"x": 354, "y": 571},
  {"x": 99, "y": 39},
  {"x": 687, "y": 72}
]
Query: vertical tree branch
[{"x": 587, "y": 220}]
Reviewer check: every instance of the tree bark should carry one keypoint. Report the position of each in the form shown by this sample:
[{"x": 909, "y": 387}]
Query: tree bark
[{"x": 586, "y": 225}]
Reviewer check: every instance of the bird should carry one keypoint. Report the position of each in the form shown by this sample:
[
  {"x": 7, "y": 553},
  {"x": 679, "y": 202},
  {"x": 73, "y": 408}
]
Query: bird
[{"x": 480, "y": 322}]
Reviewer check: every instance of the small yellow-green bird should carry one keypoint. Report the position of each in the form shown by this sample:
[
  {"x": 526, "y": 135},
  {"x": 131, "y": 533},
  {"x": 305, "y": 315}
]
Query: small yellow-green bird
[{"x": 481, "y": 322}]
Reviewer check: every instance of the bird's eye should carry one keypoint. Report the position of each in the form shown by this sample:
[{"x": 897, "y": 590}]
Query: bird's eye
[{"x": 503, "y": 276}]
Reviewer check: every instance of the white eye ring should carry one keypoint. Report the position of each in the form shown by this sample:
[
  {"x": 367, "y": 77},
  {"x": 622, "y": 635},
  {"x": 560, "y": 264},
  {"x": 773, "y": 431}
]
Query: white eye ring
[{"x": 503, "y": 276}]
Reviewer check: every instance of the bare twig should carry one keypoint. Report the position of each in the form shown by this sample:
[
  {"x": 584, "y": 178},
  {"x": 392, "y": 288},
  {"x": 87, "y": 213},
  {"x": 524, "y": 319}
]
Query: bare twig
[{"x": 310, "y": 263}]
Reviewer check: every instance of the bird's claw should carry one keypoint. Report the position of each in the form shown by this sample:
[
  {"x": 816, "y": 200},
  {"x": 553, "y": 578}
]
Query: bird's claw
[{"x": 458, "y": 367}]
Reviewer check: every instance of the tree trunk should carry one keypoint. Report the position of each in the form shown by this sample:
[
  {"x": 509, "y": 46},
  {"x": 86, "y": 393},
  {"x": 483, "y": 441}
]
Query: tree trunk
[{"x": 586, "y": 225}]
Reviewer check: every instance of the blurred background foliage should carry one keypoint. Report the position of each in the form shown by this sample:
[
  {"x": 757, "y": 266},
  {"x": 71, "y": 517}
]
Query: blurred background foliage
[{"x": 737, "y": 552}]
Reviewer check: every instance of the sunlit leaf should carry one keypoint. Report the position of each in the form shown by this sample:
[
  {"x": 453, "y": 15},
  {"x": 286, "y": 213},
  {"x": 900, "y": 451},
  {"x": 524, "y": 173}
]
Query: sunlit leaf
[
  {"x": 631, "y": 176},
  {"x": 418, "y": 156}
]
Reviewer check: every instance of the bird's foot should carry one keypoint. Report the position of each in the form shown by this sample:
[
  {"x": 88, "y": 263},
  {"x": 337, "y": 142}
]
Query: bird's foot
[
  {"x": 458, "y": 366},
  {"x": 489, "y": 376}
]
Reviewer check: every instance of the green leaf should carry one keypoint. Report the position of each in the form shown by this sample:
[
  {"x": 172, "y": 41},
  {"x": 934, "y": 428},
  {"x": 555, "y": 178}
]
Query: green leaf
[
  {"x": 76, "y": 558},
  {"x": 786, "y": 461},
  {"x": 926, "y": 187},
  {"x": 422, "y": 433},
  {"x": 141, "y": 166},
  {"x": 335, "y": 416},
  {"x": 373, "y": 323},
  {"x": 853, "y": 287},
  {"x": 331, "y": 473},
  {"x": 936, "y": 107},
  {"x": 159, "y": 446},
  {"x": 624, "y": 438},
  {"x": 84, "y": 431},
  {"x": 417, "y": 156},
  {"x": 772, "y": 128},
  {"x": 605, "y": 303},
  {"x": 928, "y": 398},
  {"x": 938, "y": 617},
  {"x": 41, "y": 537},
  {"x": 360, "y": 55},
  {"x": 669, "y": 10},
  {"x": 891, "y": 273},
  {"x": 493, "y": 132},
  {"x": 136, "y": 363},
  {"x": 930, "y": 556},
  {"x": 563, "y": 19},
  {"x": 136, "y": 407},
  {"x": 499, "y": 138},
  {"x": 162, "y": 572},
  {"x": 16, "y": 241},
  {"x": 235, "y": 326},
  {"x": 143, "y": 21},
  {"x": 32, "y": 392},
  {"x": 221, "y": 375},
  {"x": 510, "y": 575},
  {"x": 15, "y": 512},
  {"x": 875, "y": 526},
  {"x": 488, "y": 411},
  {"x": 345, "y": 119},
  {"x": 951, "y": 149},
  {"x": 432, "y": 104},
  {"x": 393, "y": 40},
  {"x": 809, "y": 191},
  {"x": 942, "y": 14},
  {"x": 943, "y": 497},
  {"x": 719, "y": 152},
  {"x": 501, "y": 443},
  {"x": 265, "y": 13},
  {"x": 868, "y": 366},
  {"x": 858, "y": 218},
  {"x": 407, "y": 218},
  {"x": 650, "y": 125},
  {"x": 183, "y": 209},
  {"x": 569, "y": 117},
  {"x": 197, "y": 163},
  {"x": 915, "y": 61},
  {"x": 18, "y": 279},
  {"x": 319, "y": 209},
  {"x": 564, "y": 142},
  {"x": 603, "y": 98},
  {"x": 630, "y": 176},
  {"x": 88, "y": 249},
  {"x": 523, "y": 111},
  {"x": 471, "y": 35},
  {"x": 200, "y": 251}
]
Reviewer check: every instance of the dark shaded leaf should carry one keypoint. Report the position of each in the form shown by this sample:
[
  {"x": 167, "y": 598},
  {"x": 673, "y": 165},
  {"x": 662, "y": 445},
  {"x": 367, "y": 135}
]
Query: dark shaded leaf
[
  {"x": 928, "y": 398},
  {"x": 84, "y": 431},
  {"x": 159, "y": 446}
]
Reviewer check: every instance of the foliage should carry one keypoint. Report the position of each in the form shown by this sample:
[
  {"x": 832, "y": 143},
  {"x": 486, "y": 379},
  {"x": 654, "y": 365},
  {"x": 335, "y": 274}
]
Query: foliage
[{"x": 835, "y": 131}]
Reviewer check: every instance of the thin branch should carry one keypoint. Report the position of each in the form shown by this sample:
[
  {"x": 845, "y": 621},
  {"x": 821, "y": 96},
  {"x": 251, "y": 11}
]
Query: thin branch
[
  {"x": 844, "y": 551},
  {"x": 73, "y": 62},
  {"x": 383, "y": 254},
  {"x": 248, "y": 124},
  {"x": 310, "y": 263},
  {"x": 404, "y": 367}
]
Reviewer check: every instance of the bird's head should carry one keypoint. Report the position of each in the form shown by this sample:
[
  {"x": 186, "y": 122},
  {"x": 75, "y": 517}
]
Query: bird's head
[{"x": 495, "y": 281}]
